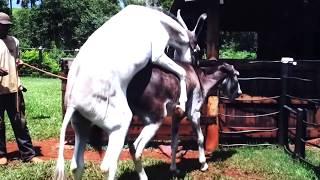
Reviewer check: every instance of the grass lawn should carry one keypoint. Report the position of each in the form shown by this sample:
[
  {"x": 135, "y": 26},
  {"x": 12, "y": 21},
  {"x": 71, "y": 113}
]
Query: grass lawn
[
  {"x": 235, "y": 163},
  {"x": 43, "y": 102},
  {"x": 43, "y": 108}
]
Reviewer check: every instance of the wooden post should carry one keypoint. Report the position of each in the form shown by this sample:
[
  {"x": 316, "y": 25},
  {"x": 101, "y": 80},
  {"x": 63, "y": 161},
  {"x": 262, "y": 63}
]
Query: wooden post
[
  {"x": 299, "y": 148},
  {"x": 212, "y": 137},
  {"x": 283, "y": 122},
  {"x": 213, "y": 30}
]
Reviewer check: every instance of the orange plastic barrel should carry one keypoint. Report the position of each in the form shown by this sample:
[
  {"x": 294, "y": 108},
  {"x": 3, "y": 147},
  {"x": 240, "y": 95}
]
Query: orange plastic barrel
[{"x": 212, "y": 136}]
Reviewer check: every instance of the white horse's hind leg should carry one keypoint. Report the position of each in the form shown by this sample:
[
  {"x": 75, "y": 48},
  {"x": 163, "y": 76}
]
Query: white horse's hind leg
[
  {"x": 121, "y": 117},
  {"x": 139, "y": 144},
  {"x": 80, "y": 126},
  {"x": 197, "y": 128},
  {"x": 167, "y": 63}
]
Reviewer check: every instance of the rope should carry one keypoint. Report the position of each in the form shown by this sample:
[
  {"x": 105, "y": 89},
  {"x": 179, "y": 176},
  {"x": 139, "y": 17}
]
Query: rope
[
  {"x": 260, "y": 99},
  {"x": 43, "y": 71},
  {"x": 316, "y": 125},
  {"x": 306, "y": 99},
  {"x": 253, "y": 62},
  {"x": 248, "y": 145},
  {"x": 298, "y": 78},
  {"x": 259, "y": 78},
  {"x": 252, "y": 116},
  {"x": 249, "y": 131},
  {"x": 310, "y": 143}
]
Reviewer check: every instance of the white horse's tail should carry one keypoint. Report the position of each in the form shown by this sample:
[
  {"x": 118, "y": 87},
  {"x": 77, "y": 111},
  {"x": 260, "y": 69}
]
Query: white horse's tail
[{"x": 59, "y": 172}]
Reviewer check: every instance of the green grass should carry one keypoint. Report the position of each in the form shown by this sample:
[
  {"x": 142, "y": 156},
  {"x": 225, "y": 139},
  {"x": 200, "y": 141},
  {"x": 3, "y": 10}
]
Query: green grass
[
  {"x": 270, "y": 163},
  {"x": 43, "y": 108}
]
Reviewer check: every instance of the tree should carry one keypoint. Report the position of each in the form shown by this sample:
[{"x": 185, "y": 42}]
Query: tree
[
  {"x": 4, "y": 7},
  {"x": 64, "y": 23},
  {"x": 25, "y": 3}
]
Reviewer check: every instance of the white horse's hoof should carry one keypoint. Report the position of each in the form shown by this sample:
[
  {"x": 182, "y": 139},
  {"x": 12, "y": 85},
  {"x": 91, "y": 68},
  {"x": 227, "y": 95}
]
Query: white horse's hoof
[
  {"x": 104, "y": 169},
  {"x": 182, "y": 106},
  {"x": 143, "y": 177},
  {"x": 204, "y": 167},
  {"x": 175, "y": 172}
]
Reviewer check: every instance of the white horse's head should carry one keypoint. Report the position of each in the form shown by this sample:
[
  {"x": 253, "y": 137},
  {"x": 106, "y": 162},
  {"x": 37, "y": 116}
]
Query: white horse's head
[{"x": 184, "y": 50}]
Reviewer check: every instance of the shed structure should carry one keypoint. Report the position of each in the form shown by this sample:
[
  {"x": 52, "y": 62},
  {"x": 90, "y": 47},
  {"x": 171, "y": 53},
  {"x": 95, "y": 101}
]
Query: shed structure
[{"x": 284, "y": 28}]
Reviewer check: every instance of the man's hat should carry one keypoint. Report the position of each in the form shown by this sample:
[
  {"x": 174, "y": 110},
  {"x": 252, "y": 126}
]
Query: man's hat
[{"x": 4, "y": 18}]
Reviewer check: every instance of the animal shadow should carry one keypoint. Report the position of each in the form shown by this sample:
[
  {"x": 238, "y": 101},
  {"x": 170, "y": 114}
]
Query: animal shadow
[{"x": 161, "y": 171}]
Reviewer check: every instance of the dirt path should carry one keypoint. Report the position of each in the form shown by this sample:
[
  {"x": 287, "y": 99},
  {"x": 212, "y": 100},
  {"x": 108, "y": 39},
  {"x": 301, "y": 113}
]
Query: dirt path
[{"x": 48, "y": 150}]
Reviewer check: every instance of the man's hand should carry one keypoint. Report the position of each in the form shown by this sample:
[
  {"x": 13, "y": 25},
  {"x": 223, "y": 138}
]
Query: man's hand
[
  {"x": 3, "y": 72},
  {"x": 19, "y": 63}
]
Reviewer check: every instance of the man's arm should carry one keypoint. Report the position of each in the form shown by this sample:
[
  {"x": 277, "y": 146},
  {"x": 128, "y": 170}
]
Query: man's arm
[{"x": 3, "y": 72}]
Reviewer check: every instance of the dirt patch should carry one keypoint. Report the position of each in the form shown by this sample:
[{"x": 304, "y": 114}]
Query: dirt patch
[{"x": 48, "y": 150}]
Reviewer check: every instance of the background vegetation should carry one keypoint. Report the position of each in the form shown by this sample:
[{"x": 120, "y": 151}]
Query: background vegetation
[{"x": 61, "y": 26}]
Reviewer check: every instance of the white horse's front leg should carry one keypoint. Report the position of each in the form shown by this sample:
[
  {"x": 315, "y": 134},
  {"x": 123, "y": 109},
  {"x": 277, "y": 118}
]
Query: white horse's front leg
[
  {"x": 196, "y": 126},
  {"x": 167, "y": 63}
]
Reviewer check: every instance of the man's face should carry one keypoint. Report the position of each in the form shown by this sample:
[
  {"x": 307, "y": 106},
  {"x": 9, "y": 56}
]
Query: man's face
[{"x": 4, "y": 29}]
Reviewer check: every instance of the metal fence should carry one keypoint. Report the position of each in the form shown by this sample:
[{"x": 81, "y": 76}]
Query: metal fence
[
  {"x": 281, "y": 117},
  {"x": 41, "y": 50}
]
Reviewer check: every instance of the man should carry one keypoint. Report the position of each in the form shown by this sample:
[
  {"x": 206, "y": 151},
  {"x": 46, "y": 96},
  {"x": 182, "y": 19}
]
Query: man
[{"x": 11, "y": 99}]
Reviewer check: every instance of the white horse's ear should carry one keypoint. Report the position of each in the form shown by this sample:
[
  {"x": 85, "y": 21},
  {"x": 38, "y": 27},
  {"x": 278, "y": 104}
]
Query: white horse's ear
[
  {"x": 201, "y": 19},
  {"x": 181, "y": 20}
]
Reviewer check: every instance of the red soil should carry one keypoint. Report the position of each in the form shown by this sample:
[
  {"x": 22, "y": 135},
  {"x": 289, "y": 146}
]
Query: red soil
[{"x": 48, "y": 150}]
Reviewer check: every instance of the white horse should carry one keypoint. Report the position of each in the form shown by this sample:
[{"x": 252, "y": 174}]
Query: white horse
[{"x": 100, "y": 74}]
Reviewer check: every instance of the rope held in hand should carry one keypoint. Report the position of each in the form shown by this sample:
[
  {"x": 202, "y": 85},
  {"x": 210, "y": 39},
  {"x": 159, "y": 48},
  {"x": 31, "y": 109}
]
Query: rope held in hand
[{"x": 43, "y": 71}]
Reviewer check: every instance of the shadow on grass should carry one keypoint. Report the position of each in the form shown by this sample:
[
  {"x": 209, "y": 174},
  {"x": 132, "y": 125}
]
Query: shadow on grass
[
  {"x": 41, "y": 117},
  {"x": 161, "y": 171}
]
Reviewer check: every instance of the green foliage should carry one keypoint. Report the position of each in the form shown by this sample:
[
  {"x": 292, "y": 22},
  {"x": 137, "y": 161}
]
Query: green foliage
[
  {"x": 240, "y": 41},
  {"x": 48, "y": 60},
  {"x": 230, "y": 52},
  {"x": 238, "y": 45},
  {"x": 91, "y": 15},
  {"x": 4, "y": 6},
  {"x": 26, "y": 28},
  {"x": 166, "y": 4},
  {"x": 67, "y": 23}
]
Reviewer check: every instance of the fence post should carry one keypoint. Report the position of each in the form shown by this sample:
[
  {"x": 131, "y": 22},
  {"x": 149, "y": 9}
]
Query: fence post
[
  {"x": 76, "y": 51},
  {"x": 283, "y": 122},
  {"x": 40, "y": 59},
  {"x": 299, "y": 148}
]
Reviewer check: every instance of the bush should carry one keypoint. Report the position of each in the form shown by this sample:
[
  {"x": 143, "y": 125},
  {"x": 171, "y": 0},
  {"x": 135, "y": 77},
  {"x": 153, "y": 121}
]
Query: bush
[
  {"x": 48, "y": 61},
  {"x": 230, "y": 52}
]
